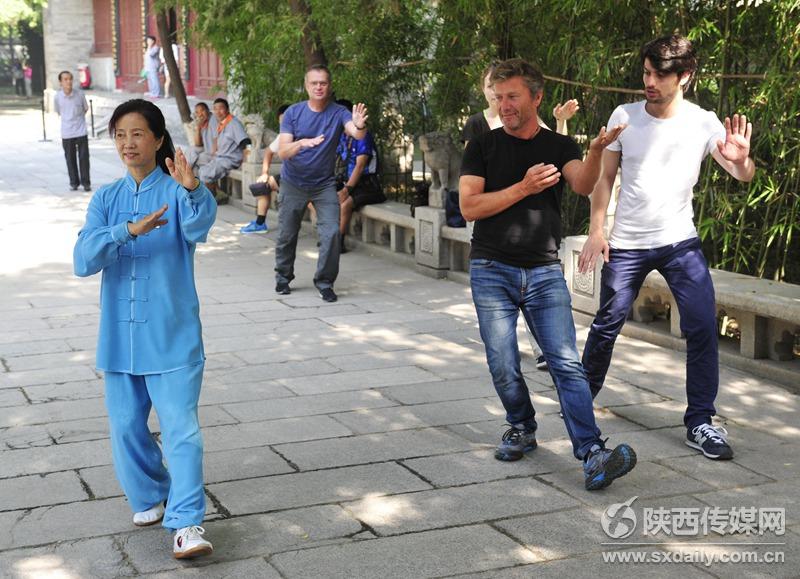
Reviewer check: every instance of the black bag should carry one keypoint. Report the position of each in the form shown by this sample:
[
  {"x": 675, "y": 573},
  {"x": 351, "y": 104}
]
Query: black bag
[
  {"x": 258, "y": 189},
  {"x": 420, "y": 196},
  {"x": 452, "y": 210}
]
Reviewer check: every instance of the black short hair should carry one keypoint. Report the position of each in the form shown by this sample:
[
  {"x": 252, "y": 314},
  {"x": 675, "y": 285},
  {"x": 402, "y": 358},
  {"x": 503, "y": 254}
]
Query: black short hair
[
  {"x": 62, "y": 73},
  {"x": 155, "y": 121},
  {"x": 282, "y": 109},
  {"x": 670, "y": 54},
  {"x": 345, "y": 103},
  {"x": 224, "y": 102},
  {"x": 151, "y": 37},
  {"x": 202, "y": 105}
]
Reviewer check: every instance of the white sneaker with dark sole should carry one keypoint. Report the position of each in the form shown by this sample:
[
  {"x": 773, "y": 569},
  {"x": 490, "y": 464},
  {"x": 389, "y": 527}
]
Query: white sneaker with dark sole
[
  {"x": 189, "y": 543},
  {"x": 149, "y": 517}
]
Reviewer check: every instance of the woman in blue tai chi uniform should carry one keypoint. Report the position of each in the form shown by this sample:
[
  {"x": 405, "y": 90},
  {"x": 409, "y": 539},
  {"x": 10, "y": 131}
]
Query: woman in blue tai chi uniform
[{"x": 141, "y": 232}]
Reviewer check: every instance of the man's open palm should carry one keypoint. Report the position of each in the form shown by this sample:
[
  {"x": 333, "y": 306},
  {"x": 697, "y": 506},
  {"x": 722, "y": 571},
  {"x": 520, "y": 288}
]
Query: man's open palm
[{"x": 736, "y": 147}]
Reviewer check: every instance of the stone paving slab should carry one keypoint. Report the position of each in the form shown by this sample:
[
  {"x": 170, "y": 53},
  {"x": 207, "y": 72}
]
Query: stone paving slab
[
  {"x": 54, "y": 458},
  {"x": 475, "y": 503},
  {"x": 255, "y": 434},
  {"x": 427, "y": 554},
  {"x": 366, "y": 448},
  {"x": 480, "y": 465},
  {"x": 68, "y": 559},
  {"x": 419, "y": 416},
  {"x": 57, "y": 523},
  {"x": 245, "y": 537},
  {"x": 39, "y": 490},
  {"x": 66, "y": 391},
  {"x": 12, "y": 398},
  {"x": 12, "y": 349},
  {"x": 256, "y": 568},
  {"x": 439, "y": 391},
  {"x": 314, "y": 404},
  {"x": 219, "y": 390},
  {"x": 316, "y": 487},
  {"x": 358, "y": 380},
  {"x": 53, "y": 412},
  {"x": 46, "y": 376}
]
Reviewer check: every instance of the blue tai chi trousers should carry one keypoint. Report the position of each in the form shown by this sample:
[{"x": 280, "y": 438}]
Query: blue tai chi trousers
[{"x": 138, "y": 461}]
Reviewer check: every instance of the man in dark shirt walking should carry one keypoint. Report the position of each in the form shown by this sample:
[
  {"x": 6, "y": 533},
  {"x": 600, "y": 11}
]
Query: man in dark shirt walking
[{"x": 511, "y": 186}]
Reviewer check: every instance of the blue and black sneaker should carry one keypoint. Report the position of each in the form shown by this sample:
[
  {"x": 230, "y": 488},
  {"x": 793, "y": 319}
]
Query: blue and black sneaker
[
  {"x": 602, "y": 465},
  {"x": 515, "y": 444}
]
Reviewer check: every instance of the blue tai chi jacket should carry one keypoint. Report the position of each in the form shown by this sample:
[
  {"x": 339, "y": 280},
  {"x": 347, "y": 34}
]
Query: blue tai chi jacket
[{"x": 149, "y": 311}]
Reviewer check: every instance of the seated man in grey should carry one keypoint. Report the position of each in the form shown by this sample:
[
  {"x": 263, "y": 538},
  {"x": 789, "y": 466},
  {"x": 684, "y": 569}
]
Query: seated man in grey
[
  {"x": 200, "y": 151},
  {"x": 228, "y": 139}
]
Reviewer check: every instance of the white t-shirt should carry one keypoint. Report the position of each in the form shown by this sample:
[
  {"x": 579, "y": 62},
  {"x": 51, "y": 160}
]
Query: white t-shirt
[
  {"x": 273, "y": 146},
  {"x": 660, "y": 164}
]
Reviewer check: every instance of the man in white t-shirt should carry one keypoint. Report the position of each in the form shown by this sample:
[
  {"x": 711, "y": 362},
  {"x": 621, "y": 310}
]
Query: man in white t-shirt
[
  {"x": 265, "y": 184},
  {"x": 660, "y": 153}
]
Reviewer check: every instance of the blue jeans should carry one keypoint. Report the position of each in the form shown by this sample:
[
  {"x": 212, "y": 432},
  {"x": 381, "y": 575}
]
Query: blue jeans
[
  {"x": 291, "y": 208},
  {"x": 500, "y": 291},
  {"x": 686, "y": 271}
]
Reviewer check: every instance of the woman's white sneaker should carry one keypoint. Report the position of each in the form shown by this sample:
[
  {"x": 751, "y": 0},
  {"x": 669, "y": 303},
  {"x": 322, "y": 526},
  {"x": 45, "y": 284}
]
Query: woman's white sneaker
[
  {"x": 149, "y": 517},
  {"x": 189, "y": 542}
]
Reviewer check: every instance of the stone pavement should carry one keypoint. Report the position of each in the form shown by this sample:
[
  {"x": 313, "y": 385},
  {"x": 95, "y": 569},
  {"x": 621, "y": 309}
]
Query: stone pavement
[{"x": 344, "y": 440}]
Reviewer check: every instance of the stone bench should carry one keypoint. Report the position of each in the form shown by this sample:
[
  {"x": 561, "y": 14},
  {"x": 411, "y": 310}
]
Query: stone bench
[
  {"x": 387, "y": 224},
  {"x": 458, "y": 246},
  {"x": 761, "y": 318},
  {"x": 765, "y": 315},
  {"x": 232, "y": 184}
]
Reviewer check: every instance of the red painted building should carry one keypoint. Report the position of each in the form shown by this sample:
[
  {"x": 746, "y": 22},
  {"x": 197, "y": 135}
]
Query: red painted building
[{"x": 119, "y": 30}]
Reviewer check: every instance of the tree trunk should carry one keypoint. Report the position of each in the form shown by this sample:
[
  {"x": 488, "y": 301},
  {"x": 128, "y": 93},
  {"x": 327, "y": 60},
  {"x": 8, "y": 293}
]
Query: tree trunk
[
  {"x": 172, "y": 67},
  {"x": 312, "y": 44}
]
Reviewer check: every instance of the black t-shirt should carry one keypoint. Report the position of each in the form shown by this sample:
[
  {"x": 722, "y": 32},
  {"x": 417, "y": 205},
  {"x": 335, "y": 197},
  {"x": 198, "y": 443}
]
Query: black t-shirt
[
  {"x": 475, "y": 125},
  {"x": 528, "y": 233}
]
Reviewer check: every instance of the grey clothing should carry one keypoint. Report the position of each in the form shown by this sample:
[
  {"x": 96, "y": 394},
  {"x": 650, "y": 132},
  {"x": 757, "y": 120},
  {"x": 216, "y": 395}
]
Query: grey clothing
[
  {"x": 208, "y": 136},
  {"x": 196, "y": 156},
  {"x": 293, "y": 202},
  {"x": 229, "y": 141},
  {"x": 152, "y": 58},
  {"x": 72, "y": 110},
  {"x": 211, "y": 168}
]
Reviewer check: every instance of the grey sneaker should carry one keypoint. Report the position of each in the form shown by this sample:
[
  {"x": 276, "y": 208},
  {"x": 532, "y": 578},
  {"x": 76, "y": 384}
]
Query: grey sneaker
[
  {"x": 515, "y": 444},
  {"x": 712, "y": 441}
]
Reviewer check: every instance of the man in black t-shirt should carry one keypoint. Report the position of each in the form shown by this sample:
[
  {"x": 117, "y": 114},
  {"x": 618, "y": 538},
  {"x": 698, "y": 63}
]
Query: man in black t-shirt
[{"x": 511, "y": 187}]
